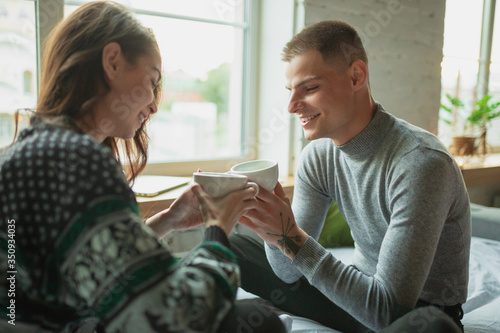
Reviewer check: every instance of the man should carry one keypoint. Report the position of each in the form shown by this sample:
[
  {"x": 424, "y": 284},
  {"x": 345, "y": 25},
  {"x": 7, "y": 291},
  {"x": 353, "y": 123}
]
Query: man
[{"x": 397, "y": 186}]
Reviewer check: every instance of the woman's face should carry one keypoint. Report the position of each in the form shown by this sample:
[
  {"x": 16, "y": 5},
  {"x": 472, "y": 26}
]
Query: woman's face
[{"x": 131, "y": 99}]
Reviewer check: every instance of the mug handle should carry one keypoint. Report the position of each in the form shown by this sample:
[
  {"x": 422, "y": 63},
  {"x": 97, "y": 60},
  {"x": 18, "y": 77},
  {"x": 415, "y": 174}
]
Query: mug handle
[{"x": 255, "y": 186}]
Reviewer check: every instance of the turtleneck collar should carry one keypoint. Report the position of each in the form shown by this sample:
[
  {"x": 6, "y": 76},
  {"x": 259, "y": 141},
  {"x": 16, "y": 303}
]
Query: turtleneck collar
[{"x": 368, "y": 141}]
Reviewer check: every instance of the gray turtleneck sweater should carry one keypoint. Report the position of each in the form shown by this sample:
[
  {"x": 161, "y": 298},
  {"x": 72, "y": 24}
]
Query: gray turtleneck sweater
[{"x": 405, "y": 201}]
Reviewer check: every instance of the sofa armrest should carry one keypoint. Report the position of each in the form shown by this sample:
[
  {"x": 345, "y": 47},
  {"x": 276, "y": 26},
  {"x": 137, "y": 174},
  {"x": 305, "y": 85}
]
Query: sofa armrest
[{"x": 485, "y": 221}]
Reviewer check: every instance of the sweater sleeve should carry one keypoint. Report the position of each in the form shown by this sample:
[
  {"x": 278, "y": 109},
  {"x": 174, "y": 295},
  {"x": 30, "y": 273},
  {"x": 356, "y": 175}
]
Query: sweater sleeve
[
  {"x": 420, "y": 202},
  {"x": 110, "y": 266},
  {"x": 310, "y": 205}
]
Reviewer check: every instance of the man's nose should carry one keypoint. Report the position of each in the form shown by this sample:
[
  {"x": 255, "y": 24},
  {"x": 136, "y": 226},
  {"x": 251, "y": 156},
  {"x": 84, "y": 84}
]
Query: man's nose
[{"x": 295, "y": 103}]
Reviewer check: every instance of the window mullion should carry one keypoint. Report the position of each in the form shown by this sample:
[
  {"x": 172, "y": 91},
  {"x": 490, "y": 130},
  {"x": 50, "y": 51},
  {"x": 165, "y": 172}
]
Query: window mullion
[
  {"x": 248, "y": 136},
  {"x": 485, "y": 48},
  {"x": 139, "y": 11}
]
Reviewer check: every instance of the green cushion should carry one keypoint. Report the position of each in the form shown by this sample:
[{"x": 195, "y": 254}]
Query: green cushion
[{"x": 336, "y": 231}]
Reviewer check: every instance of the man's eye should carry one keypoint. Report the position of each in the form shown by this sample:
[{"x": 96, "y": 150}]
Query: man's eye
[{"x": 312, "y": 88}]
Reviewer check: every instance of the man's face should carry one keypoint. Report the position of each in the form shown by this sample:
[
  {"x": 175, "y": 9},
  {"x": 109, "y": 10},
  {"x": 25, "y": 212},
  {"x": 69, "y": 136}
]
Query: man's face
[{"x": 322, "y": 98}]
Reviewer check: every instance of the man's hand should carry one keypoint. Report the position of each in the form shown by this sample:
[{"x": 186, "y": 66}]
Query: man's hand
[{"x": 274, "y": 222}]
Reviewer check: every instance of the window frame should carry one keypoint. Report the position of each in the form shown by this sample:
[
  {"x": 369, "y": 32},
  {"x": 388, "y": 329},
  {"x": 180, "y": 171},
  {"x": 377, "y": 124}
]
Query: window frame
[
  {"x": 51, "y": 12},
  {"x": 485, "y": 48},
  {"x": 249, "y": 119}
]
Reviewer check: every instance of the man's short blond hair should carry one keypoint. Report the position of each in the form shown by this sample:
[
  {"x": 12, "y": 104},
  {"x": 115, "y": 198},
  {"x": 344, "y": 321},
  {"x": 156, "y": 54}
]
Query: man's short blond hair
[{"x": 337, "y": 41}]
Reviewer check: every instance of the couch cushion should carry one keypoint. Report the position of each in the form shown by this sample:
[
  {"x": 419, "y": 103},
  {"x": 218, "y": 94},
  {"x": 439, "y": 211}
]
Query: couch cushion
[
  {"x": 336, "y": 231},
  {"x": 485, "y": 221}
]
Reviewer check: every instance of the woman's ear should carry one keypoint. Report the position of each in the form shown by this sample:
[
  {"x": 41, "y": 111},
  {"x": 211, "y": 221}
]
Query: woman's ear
[
  {"x": 359, "y": 74},
  {"x": 111, "y": 60}
]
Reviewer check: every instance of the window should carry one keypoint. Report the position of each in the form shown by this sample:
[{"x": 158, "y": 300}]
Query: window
[
  {"x": 28, "y": 82},
  {"x": 462, "y": 52},
  {"x": 18, "y": 62},
  {"x": 204, "y": 113}
]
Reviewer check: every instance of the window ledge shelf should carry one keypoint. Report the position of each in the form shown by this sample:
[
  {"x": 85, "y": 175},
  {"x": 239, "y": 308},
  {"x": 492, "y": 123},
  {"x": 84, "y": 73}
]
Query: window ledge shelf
[
  {"x": 474, "y": 170},
  {"x": 480, "y": 171}
]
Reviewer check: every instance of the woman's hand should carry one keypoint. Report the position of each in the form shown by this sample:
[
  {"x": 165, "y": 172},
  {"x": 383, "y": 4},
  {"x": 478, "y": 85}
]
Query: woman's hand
[
  {"x": 182, "y": 214},
  {"x": 225, "y": 211},
  {"x": 272, "y": 219}
]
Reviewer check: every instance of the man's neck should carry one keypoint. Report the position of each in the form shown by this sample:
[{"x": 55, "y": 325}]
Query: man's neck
[{"x": 364, "y": 112}]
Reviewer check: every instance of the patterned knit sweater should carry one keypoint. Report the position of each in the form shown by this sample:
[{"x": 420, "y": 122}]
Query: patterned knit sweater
[{"x": 72, "y": 241}]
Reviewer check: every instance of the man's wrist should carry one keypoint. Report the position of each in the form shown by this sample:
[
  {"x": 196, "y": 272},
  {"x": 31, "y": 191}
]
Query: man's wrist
[{"x": 290, "y": 244}]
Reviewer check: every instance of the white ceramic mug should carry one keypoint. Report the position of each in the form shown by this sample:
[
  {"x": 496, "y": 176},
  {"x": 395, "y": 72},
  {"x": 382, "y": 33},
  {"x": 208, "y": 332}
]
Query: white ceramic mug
[
  {"x": 263, "y": 172},
  {"x": 219, "y": 184}
]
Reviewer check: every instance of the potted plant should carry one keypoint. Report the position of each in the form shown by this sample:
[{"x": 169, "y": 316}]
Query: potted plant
[
  {"x": 484, "y": 111},
  {"x": 463, "y": 144}
]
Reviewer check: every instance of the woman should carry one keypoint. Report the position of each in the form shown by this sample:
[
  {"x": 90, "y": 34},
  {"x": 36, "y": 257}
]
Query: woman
[{"x": 70, "y": 228}]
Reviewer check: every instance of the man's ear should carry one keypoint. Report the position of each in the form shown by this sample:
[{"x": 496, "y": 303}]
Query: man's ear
[
  {"x": 359, "y": 74},
  {"x": 111, "y": 60}
]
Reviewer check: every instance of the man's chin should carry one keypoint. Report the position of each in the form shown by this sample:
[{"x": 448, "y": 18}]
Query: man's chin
[{"x": 309, "y": 136}]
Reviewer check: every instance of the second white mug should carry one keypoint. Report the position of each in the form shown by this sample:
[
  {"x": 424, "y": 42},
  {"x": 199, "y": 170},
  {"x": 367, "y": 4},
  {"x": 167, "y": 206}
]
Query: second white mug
[
  {"x": 219, "y": 184},
  {"x": 263, "y": 172}
]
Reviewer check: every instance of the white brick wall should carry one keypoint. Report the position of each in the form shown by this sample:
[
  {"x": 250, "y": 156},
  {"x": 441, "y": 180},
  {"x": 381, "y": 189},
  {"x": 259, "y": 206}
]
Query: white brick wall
[{"x": 404, "y": 42}]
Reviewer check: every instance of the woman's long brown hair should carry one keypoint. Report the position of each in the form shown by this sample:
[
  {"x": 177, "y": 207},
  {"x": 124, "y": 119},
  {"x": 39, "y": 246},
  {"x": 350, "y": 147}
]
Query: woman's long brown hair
[{"x": 73, "y": 77}]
